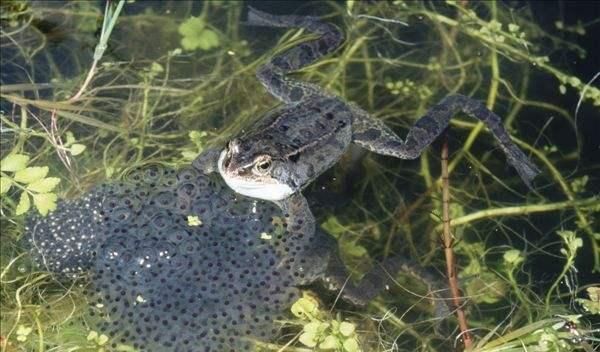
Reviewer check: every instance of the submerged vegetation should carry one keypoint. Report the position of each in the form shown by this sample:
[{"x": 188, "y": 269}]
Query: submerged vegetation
[{"x": 173, "y": 78}]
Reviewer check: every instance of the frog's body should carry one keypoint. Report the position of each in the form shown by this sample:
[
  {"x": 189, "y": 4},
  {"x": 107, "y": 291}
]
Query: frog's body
[
  {"x": 165, "y": 284},
  {"x": 293, "y": 144},
  {"x": 302, "y": 140}
]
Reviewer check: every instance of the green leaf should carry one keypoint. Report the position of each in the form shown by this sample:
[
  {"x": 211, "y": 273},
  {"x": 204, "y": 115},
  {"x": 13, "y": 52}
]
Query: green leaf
[
  {"x": 194, "y": 220},
  {"x": 346, "y": 328},
  {"x": 197, "y": 137},
  {"x": 208, "y": 40},
  {"x": 44, "y": 185},
  {"x": 156, "y": 68},
  {"x": 315, "y": 327},
  {"x": 70, "y": 139},
  {"x": 189, "y": 155},
  {"x": 191, "y": 27},
  {"x": 305, "y": 307},
  {"x": 591, "y": 305},
  {"x": 44, "y": 202},
  {"x": 308, "y": 339},
  {"x": 351, "y": 345},
  {"x": 354, "y": 249},
  {"x": 14, "y": 162},
  {"x": 196, "y": 36},
  {"x": 102, "y": 339},
  {"x": 77, "y": 149},
  {"x": 31, "y": 174},
  {"x": 125, "y": 348},
  {"x": 513, "y": 256},
  {"x": 486, "y": 288},
  {"x": 513, "y": 27},
  {"x": 93, "y": 335},
  {"x": 333, "y": 226},
  {"x": 189, "y": 43},
  {"x": 5, "y": 184},
  {"x": 562, "y": 89},
  {"x": 24, "y": 204},
  {"x": 330, "y": 343},
  {"x": 23, "y": 330}
]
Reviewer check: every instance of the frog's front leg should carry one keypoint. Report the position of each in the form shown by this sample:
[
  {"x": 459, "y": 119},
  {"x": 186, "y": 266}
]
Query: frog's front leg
[
  {"x": 272, "y": 74},
  {"x": 373, "y": 135},
  {"x": 207, "y": 161},
  {"x": 299, "y": 219}
]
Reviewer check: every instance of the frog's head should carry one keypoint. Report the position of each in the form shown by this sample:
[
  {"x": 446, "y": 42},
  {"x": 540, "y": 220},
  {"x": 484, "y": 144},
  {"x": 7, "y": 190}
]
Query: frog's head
[{"x": 254, "y": 170}]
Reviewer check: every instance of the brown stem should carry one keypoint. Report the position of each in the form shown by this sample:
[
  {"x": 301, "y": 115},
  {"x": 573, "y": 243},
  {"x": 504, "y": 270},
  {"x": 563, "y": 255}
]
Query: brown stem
[{"x": 449, "y": 253}]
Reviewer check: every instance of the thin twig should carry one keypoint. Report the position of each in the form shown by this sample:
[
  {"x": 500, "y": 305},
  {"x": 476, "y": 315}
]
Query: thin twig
[{"x": 449, "y": 253}]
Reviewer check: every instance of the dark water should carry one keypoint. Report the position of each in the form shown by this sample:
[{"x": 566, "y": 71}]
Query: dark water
[{"x": 352, "y": 191}]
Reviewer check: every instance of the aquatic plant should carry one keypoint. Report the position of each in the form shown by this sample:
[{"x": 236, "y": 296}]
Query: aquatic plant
[{"x": 146, "y": 100}]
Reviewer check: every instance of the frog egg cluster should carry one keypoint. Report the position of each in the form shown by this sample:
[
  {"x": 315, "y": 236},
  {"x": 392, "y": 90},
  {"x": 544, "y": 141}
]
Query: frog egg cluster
[
  {"x": 63, "y": 242},
  {"x": 162, "y": 284}
]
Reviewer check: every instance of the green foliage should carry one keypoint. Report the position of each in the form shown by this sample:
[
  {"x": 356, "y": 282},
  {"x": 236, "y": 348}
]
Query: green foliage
[
  {"x": 31, "y": 181},
  {"x": 158, "y": 103},
  {"x": 73, "y": 147},
  {"x": 572, "y": 243},
  {"x": 578, "y": 184},
  {"x": 320, "y": 331},
  {"x": 408, "y": 89},
  {"x": 14, "y": 163},
  {"x": 98, "y": 339},
  {"x": 193, "y": 220},
  {"x": 195, "y": 35},
  {"x": 591, "y": 305},
  {"x": 23, "y": 332},
  {"x": 348, "y": 246},
  {"x": 198, "y": 139},
  {"x": 486, "y": 288}
]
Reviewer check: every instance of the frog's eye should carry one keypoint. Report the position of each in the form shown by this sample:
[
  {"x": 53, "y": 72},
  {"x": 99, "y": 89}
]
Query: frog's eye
[{"x": 263, "y": 165}]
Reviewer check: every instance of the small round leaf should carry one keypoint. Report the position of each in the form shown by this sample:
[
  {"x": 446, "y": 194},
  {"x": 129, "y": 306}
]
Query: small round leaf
[{"x": 346, "y": 328}]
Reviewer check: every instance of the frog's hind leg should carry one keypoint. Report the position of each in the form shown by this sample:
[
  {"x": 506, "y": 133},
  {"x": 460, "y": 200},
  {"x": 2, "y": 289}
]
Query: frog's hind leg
[
  {"x": 272, "y": 74},
  {"x": 380, "y": 278},
  {"x": 373, "y": 135}
]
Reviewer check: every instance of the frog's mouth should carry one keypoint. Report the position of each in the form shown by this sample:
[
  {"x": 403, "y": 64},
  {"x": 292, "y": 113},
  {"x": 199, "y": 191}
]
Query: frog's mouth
[{"x": 249, "y": 184}]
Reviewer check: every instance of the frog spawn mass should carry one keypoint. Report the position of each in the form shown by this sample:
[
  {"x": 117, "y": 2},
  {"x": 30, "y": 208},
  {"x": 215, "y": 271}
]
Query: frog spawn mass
[{"x": 160, "y": 284}]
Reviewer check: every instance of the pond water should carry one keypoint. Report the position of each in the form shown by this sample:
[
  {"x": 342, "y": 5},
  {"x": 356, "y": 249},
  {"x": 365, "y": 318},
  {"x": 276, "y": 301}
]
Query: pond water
[{"x": 178, "y": 77}]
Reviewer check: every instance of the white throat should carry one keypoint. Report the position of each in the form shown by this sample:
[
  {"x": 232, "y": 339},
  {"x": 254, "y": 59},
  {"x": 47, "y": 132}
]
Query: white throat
[{"x": 267, "y": 190}]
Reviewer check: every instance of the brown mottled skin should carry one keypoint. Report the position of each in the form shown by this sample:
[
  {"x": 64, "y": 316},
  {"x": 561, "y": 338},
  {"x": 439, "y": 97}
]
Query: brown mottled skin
[{"x": 296, "y": 142}]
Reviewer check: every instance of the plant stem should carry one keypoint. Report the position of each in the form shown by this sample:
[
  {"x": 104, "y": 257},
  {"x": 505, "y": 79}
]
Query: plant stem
[
  {"x": 449, "y": 253},
  {"x": 523, "y": 209}
]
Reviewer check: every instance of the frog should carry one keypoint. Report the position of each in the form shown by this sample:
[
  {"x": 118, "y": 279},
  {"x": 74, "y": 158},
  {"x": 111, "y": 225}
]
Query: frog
[
  {"x": 177, "y": 261},
  {"x": 288, "y": 147}
]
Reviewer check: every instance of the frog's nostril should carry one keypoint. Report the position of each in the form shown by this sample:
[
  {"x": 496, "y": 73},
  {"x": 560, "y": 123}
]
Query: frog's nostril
[
  {"x": 227, "y": 160},
  {"x": 234, "y": 146}
]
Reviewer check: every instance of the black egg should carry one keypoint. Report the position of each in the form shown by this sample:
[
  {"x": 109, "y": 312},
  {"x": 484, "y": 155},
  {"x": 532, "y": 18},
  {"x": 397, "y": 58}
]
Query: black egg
[{"x": 161, "y": 283}]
